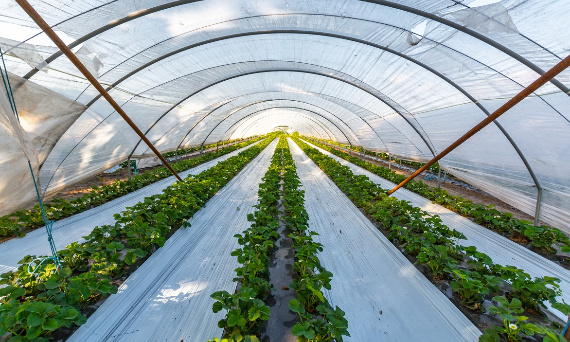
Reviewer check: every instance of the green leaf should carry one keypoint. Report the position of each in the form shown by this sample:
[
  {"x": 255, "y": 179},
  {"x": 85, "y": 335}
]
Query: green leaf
[
  {"x": 140, "y": 253},
  {"x": 233, "y": 318},
  {"x": 294, "y": 305},
  {"x": 217, "y": 307},
  {"x": 34, "y": 320},
  {"x": 490, "y": 335},
  {"x": 298, "y": 329},
  {"x": 53, "y": 282},
  {"x": 69, "y": 312},
  {"x": 50, "y": 324},
  {"x": 65, "y": 272}
]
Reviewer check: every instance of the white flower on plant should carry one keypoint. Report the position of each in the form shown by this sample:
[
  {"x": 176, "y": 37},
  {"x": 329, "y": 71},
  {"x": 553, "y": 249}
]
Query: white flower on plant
[{"x": 513, "y": 326}]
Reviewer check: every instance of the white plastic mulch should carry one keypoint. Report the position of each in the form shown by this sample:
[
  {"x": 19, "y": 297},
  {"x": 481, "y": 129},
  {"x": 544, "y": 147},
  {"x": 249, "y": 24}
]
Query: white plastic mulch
[
  {"x": 502, "y": 250},
  {"x": 384, "y": 296},
  {"x": 168, "y": 297},
  {"x": 73, "y": 228}
]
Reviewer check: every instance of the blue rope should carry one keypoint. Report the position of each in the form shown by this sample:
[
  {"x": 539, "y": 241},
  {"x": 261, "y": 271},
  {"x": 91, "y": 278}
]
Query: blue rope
[
  {"x": 566, "y": 328},
  {"x": 48, "y": 223},
  {"x": 49, "y": 226}
]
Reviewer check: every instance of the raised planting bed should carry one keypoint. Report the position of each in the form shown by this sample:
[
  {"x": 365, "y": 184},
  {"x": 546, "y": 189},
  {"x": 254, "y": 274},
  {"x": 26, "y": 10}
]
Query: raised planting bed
[
  {"x": 502, "y": 300},
  {"x": 49, "y": 303},
  {"x": 547, "y": 241},
  {"x": 22, "y": 221}
]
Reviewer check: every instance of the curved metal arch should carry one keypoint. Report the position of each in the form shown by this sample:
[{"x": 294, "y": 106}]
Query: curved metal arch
[
  {"x": 413, "y": 60},
  {"x": 372, "y": 128},
  {"x": 263, "y": 101},
  {"x": 259, "y": 112},
  {"x": 424, "y": 139},
  {"x": 519, "y": 152},
  {"x": 255, "y": 121},
  {"x": 206, "y": 115},
  {"x": 299, "y": 108},
  {"x": 390, "y": 4}
]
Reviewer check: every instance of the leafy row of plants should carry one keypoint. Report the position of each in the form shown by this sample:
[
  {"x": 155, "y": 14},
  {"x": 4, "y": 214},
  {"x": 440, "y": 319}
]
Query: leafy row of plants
[
  {"x": 246, "y": 311},
  {"x": 16, "y": 223},
  {"x": 384, "y": 156},
  {"x": 194, "y": 149},
  {"x": 318, "y": 320},
  {"x": 35, "y": 304},
  {"x": 543, "y": 238},
  {"x": 472, "y": 275}
]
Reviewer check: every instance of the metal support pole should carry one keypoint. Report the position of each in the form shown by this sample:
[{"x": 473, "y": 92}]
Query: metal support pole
[
  {"x": 438, "y": 177},
  {"x": 558, "y": 68},
  {"x": 389, "y": 162},
  {"x": 66, "y": 51},
  {"x": 538, "y": 204}
]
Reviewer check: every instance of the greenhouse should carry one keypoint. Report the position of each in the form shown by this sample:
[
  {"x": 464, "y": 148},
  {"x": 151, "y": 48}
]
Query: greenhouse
[{"x": 285, "y": 170}]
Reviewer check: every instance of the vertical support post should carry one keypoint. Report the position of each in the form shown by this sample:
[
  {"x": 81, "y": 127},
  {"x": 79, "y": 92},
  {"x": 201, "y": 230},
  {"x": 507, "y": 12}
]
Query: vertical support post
[
  {"x": 130, "y": 173},
  {"x": 389, "y": 162},
  {"x": 438, "y": 177},
  {"x": 538, "y": 204}
]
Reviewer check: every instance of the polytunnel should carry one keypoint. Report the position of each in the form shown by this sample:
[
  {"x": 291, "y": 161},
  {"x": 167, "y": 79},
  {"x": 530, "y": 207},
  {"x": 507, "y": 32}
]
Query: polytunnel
[{"x": 325, "y": 106}]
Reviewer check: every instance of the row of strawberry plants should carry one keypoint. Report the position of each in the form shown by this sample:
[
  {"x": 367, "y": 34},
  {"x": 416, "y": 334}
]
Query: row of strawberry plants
[
  {"x": 471, "y": 274},
  {"x": 384, "y": 156},
  {"x": 15, "y": 223},
  {"x": 197, "y": 148},
  {"x": 543, "y": 238},
  {"x": 318, "y": 320},
  {"x": 35, "y": 304},
  {"x": 246, "y": 311}
]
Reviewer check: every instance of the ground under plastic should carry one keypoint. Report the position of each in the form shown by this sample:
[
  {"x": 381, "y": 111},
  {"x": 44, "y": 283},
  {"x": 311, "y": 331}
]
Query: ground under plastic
[
  {"x": 168, "y": 297},
  {"x": 384, "y": 296}
]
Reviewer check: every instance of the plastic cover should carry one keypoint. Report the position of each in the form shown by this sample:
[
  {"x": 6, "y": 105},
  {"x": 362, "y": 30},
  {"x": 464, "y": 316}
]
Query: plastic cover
[{"x": 404, "y": 77}]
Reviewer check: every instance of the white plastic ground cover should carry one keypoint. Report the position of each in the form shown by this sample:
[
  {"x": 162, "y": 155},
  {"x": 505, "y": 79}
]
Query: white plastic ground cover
[
  {"x": 168, "y": 297},
  {"x": 384, "y": 296},
  {"x": 502, "y": 250},
  {"x": 73, "y": 228},
  {"x": 411, "y": 77}
]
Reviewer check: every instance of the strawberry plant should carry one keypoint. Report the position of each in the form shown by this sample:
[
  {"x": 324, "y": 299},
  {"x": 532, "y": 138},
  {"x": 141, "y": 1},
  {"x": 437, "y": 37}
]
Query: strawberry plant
[
  {"x": 14, "y": 224},
  {"x": 245, "y": 310},
  {"x": 473, "y": 274},
  {"x": 514, "y": 324},
  {"x": 542, "y": 238},
  {"x": 91, "y": 268}
]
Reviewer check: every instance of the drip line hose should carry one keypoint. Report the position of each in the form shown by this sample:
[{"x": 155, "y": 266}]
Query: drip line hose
[{"x": 48, "y": 223}]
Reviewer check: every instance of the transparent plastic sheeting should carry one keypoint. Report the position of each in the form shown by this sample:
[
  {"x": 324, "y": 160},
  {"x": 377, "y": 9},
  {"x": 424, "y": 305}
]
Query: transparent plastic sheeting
[
  {"x": 404, "y": 77},
  {"x": 43, "y": 116}
]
